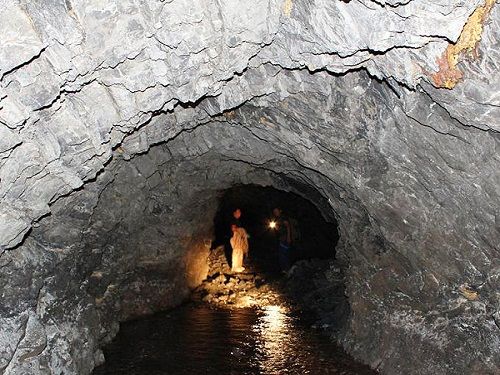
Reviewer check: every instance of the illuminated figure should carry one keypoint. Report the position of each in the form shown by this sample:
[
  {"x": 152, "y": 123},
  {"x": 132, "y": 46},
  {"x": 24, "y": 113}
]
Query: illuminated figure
[
  {"x": 239, "y": 243},
  {"x": 237, "y": 221}
]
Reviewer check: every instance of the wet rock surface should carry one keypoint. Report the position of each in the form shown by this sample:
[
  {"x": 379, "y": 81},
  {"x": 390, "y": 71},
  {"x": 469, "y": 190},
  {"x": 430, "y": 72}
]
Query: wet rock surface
[
  {"x": 224, "y": 288},
  {"x": 313, "y": 286}
]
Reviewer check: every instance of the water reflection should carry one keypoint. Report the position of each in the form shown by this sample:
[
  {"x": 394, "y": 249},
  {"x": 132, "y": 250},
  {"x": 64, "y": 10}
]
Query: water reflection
[
  {"x": 201, "y": 340},
  {"x": 285, "y": 347},
  {"x": 273, "y": 329}
]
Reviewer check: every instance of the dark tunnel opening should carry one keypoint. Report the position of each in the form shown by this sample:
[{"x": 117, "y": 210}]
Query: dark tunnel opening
[{"x": 314, "y": 236}]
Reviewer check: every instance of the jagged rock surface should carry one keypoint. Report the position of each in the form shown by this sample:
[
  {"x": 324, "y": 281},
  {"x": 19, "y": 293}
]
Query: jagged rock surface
[
  {"x": 120, "y": 123},
  {"x": 226, "y": 289}
]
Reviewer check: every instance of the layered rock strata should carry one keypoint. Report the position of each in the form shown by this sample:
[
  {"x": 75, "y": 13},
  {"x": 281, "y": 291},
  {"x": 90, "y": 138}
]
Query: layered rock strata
[{"x": 120, "y": 123}]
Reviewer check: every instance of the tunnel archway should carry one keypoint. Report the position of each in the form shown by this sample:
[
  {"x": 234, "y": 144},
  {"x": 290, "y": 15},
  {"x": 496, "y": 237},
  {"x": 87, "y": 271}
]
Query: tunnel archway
[
  {"x": 120, "y": 124},
  {"x": 263, "y": 322},
  {"x": 314, "y": 236},
  {"x": 136, "y": 239}
]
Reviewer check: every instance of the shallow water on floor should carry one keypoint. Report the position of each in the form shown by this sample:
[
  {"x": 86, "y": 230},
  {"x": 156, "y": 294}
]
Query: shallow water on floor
[{"x": 197, "y": 339}]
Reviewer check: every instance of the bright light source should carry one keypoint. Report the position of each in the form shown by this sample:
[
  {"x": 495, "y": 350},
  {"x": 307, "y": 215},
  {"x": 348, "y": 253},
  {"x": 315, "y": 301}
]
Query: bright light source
[{"x": 272, "y": 224}]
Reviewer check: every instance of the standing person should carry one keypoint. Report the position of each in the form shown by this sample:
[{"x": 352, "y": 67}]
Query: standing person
[
  {"x": 236, "y": 217},
  {"x": 239, "y": 243},
  {"x": 284, "y": 238}
]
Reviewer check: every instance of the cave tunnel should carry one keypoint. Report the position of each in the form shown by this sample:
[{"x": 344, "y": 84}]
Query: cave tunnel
[
  {"x": 315, "y": 236},
  {"x": 127, "y": 131}
]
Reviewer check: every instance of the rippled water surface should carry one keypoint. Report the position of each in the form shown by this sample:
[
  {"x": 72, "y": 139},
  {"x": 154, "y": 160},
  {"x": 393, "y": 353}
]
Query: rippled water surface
[{"x": 196, "y": 339}]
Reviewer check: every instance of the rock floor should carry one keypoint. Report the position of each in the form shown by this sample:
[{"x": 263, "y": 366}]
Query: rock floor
[
  {"x": 224, "y": 288},
  {"x": 311, "y": 286}
]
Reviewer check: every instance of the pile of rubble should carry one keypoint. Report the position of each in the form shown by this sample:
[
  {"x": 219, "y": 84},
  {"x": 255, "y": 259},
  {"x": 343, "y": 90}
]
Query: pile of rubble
[
  {"x": 225, "y": 288},
  {"x": 315, "y": 285}
]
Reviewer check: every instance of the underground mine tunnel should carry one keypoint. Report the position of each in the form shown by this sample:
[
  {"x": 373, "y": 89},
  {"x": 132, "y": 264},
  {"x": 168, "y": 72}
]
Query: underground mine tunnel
[
  {"x": 315, "y": 236},
  {"x": 248, "y": 321},
  {"x": 123, "y": 125}
]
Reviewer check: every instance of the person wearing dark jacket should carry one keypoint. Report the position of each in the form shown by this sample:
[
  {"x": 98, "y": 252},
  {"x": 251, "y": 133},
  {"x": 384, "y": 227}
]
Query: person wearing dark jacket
[
  {"x": 236, "y": 219},
  {"x": 284, "y": 238}
]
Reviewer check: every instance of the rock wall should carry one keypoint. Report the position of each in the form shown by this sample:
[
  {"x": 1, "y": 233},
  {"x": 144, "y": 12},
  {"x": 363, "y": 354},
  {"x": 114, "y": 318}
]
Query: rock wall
[{"x": 120, "y": 123}]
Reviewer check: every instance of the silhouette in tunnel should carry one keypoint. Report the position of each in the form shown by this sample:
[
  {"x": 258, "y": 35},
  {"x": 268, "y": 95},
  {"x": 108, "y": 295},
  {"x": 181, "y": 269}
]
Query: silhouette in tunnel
[{"x": 315, "y": 237}]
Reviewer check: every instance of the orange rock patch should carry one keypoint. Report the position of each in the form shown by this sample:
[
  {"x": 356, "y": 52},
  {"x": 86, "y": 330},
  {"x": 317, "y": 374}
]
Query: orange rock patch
[{"x": 449, "y": 74}]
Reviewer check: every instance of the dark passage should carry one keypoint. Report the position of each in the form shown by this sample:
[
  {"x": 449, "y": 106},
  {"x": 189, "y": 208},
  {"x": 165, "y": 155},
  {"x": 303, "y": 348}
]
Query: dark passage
[
  {"x": 317, "y": 237},
  {"x": 258, "y": 321}
]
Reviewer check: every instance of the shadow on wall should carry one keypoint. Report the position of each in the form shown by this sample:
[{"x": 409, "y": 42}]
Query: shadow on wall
[{"x": 317, "y": 237}]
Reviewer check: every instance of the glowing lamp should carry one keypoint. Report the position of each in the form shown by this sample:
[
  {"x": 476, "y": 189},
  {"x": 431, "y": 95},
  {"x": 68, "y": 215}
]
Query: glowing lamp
[{"x": 272, "y": 224}]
